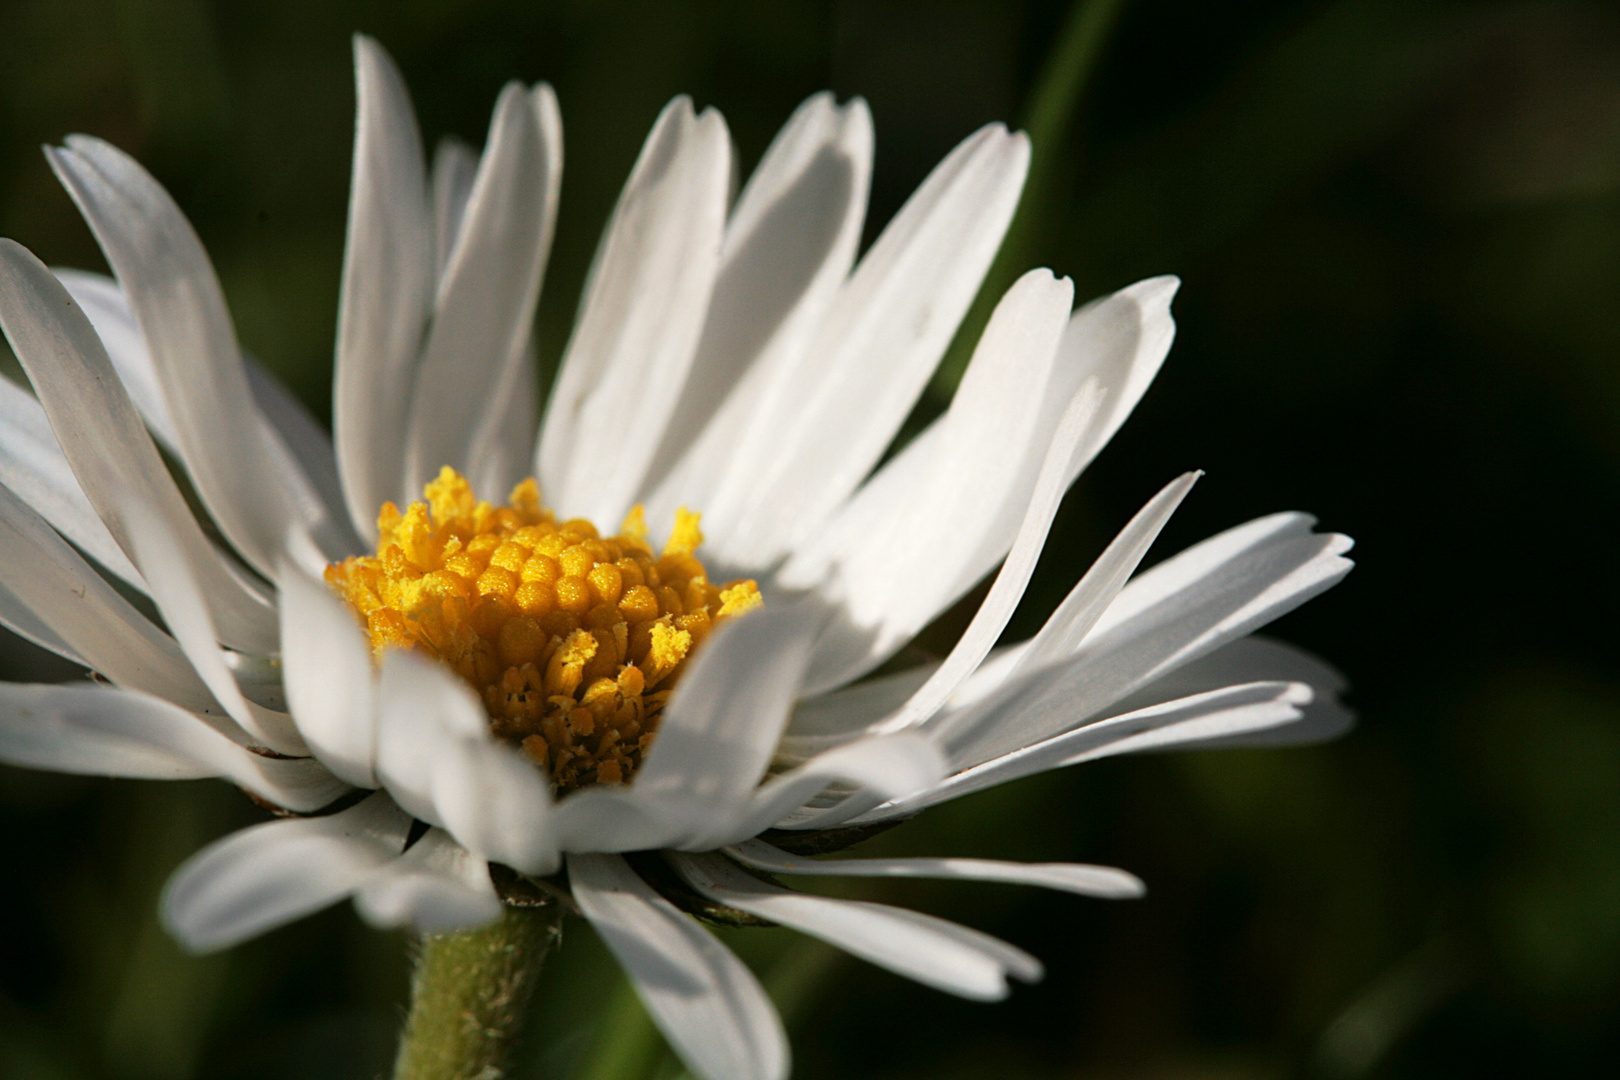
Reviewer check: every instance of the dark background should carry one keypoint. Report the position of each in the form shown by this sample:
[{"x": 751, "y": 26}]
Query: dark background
[{"x": 1399, "y": 230}]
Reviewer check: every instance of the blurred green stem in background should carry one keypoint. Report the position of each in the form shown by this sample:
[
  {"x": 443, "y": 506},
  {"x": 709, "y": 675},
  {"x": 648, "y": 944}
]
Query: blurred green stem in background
[
  {"x": 1048, "y": 118},
  {"x": 470, "y": 994}
]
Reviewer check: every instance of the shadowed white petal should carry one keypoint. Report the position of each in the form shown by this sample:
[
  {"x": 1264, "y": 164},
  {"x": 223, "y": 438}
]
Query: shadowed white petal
[
  {"x": 821, "y": 427},
  {"x": 33, "y": 466},
  {"x": 1120, "y": 341},
  {"x": 388, "y": 278},
  {"x": 244, "y": 474},
  {"x": 640, "y": 318},
  {"x": 326, "y": 668},
  {"x": 876, "y": 769},
  {"x": 435, "y": 755},
  {"x": 1230, "y": 712},
  {"x": 1182, "y": 609},
  {"x": 827, "y": 720},
  {"x": 104, "y": 441},
  {"x": 1100, "y": 881},
  {"x": 1074, "y": 618},
  {"x": 501, "y": 448},
  {"x": 87, "y": 615},
  {"x": 1258, "y": 659},
  {"x": 307, "y": 444},
  {"x": 260, "y": 878},
  {"x": 721, "y": 727},
  {"x": 877, "y": 933},
  {"x": 455, "y": 164},
  {"x": 846, "y": 656},
  {"x": 708, "y": 1005},
  {"x": 789, "y": 245},
  {"x": 107, "y": 308},
  {"x": 174, "y": 590},
  {"x": 83, "y": 728},
  {"x": 435, "y": 887},
  {"x": 20, "y": 620},
  {"x": 484, "y": 310}
]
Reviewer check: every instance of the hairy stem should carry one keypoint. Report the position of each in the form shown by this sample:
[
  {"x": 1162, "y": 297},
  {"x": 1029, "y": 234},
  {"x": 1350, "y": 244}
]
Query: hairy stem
[{"x": 470, "y": 995}]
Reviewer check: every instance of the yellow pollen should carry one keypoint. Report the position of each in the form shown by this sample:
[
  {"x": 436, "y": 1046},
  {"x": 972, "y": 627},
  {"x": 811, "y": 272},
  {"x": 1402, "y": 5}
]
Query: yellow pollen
[{"x": 572, "y": 640}]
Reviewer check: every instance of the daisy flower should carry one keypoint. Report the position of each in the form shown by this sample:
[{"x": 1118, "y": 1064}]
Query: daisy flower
[{"x": 436, "y": 693}]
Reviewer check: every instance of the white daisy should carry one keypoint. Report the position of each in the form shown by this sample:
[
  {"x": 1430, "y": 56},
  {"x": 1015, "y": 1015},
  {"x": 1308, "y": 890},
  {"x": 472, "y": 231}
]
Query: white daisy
[{"x": 736, "y": 359}]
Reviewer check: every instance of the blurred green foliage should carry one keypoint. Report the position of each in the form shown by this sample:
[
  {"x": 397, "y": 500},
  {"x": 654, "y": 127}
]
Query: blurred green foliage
[{"x": 1399, "y": 229}]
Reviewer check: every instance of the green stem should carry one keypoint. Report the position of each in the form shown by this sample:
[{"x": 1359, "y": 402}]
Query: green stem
[{"x": 470, "y": 995}]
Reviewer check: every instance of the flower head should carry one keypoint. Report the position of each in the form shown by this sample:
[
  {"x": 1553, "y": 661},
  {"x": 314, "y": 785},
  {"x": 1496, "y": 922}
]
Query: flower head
[{"x": 428, "y": 691}]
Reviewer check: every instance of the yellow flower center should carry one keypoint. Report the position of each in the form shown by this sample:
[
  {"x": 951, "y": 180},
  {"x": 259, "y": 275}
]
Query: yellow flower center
[{"x": 572, "y": 640}]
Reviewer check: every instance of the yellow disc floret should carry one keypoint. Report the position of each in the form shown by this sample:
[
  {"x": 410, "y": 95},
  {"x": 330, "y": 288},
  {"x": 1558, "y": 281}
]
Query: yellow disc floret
[{"x": 572, "y": 640}]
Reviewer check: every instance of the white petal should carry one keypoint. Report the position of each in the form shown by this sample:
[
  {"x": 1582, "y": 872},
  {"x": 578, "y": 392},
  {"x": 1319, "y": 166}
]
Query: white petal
[
  {"x": 33, "y": 466},
  {"x": 304, "y": 440},
  {"x": 1230, "y": 712},
  {"x": 721, "y": 727},
  {"x": 82, "y": 728},
  {"x": 326, "y": 667},
  {"x": 484, "y": 311},
  {"x": 1100, "y": 881},
  {"x": 17, "y": 617},
  {"x": 708, "y": 1005},
  {"x": 108, "y": 310},
  {"x": 846, "y": 656},
  {"x": 104, "y": 441},
  {"x": 876, "y": 933},
  {"x": 387, "y": 291},
  {"x": 1121, "y": 341},
  {"x": 876, "y": 769},
  {"x": 639, "y": 321},
  {"x": 262, "y": 503},
  {"x": 88, "y": 616},
  {"x": 1091, "y": 596},
  {"x": 822, "y": 426},
  {"x": 309, "y": 449},
  {"x": 435, "y": 755},
  {"x": 454, "y": 167},
  {"x": 260, "y": 878},
  {"x": 789, "y": 245},
  {"x": 827, "y": 720},
  {"x": 1258, "y": 659},
  {"x": 174, "y": 590},
  {"x": 435, "y": 887},
  {"x": 1184, "y": 608}
]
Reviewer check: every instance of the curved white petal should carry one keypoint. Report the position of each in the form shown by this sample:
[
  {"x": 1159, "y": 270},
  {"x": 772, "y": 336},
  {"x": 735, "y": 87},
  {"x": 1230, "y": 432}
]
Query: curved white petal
[
  {"x": 484, "y": 311},
  {"x": 821, "y": 427},
  {"x": 880, "y": 934},
  {"x": 83, "y": 728},
  {"x": 326, "y": 668},
  {"x": 435, "y": 887},
  {"x": 1227, "y": 713},
  {"x": 175, "y": 592},
  {"x": 1184, "y": 608},
  {"x": 640, "y": 318},
  {"x": 33, "y": 466},
  {"x": 848, "y": 656},
  {"x": 17, "y": 617},
  {"x": 108, "y": 310},
  {"x": 1258, "y": 659},
  {"x": 455, "y": 165},
  {"x": 253, "y": 489},
  {"x": 721, "y": 727},
  {"x": 875, "y": 769},
  {"x": 106, "y": 444},
  {"x": 83, "y": 612},
  {"x": 435, "y": 755},
  {"x": 1100, "y": 881},
  {"x": 825, "y": 721},
  {"x": 262, "y": 877},
  {"x": 789, "y": 245},
  {"x": 708, "y": 1005},
  {"x": 387, "y": 290}
]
